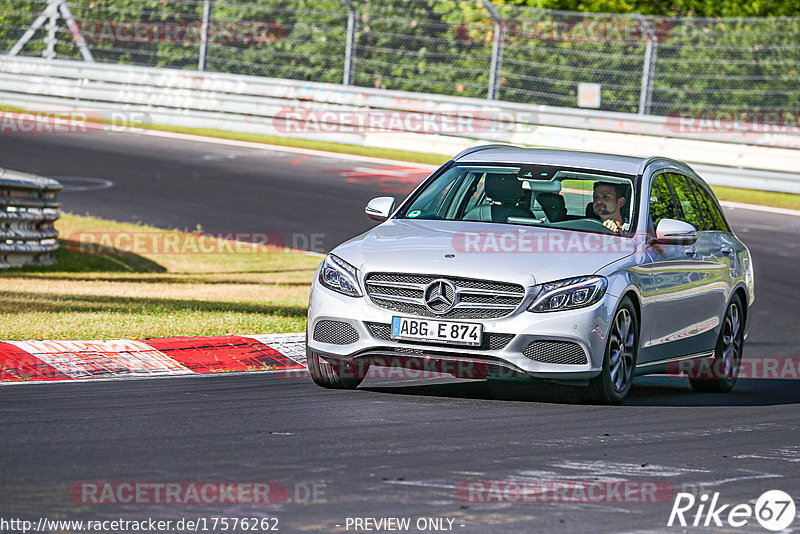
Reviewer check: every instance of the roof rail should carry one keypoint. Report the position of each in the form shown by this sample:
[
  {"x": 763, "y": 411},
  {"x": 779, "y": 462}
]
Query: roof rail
[{"x": 473, "y": 149}]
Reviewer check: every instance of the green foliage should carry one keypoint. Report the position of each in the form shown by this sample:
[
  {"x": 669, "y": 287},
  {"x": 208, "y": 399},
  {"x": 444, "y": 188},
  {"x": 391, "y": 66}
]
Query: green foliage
[
  {"x": 667, "y": 8},
  {"x": 445, "y": 46}
]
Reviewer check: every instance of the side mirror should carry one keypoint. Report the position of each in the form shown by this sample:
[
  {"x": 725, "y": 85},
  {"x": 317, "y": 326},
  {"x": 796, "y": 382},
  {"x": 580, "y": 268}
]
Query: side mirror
[
  {"x": 380, "y": 208},
  {"x": 674, "y": 232}
]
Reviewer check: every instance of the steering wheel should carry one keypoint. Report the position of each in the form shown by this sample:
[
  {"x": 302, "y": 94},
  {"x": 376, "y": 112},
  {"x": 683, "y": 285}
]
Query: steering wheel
[{"x": 599, "y": 222}]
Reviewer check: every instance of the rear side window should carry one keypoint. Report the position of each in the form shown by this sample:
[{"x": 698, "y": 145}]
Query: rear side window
[
  {"x": 689, "y": 210},
  {"x": 711, "y": 214},
  {"x": 661, "y": 206}
]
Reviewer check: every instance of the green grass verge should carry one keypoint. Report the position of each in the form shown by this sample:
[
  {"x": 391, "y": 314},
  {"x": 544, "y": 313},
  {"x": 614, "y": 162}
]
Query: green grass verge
[
  {"x": 762, "y": 198},
  {"x": 103, "y": 293},
  {"x": 388, "y": 153}
]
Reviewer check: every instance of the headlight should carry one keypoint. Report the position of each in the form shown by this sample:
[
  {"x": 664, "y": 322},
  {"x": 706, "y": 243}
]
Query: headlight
[
  {"x": 569, "y": 294},
  {"x": 340, "y": 276}
]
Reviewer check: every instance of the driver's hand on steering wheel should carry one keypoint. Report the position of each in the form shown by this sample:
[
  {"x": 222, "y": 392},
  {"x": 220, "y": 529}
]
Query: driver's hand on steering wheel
[{"x": 612, "y": 225}]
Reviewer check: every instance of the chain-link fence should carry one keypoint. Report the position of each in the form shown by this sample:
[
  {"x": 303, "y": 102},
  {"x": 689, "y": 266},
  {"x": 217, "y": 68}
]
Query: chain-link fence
[{"x": 642, "y": 64}]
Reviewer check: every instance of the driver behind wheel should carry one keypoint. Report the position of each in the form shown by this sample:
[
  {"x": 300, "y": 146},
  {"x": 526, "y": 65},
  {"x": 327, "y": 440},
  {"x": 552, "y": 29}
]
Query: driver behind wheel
[{"x": 607, "y": 203}]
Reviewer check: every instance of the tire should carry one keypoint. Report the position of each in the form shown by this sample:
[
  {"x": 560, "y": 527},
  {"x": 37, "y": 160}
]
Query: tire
[
  {"x": 611, "y": 386},
  {"x": 335, "y": 376},
  {"x": 724, "y": 371}
]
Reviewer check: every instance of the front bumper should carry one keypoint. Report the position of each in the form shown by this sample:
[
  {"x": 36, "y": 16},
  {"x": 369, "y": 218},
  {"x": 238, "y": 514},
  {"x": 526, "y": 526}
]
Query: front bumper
[{"x": 586, "y": 327}]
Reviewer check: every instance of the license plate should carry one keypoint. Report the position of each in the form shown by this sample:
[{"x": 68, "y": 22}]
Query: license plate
[{"x": 432, "y": 330}]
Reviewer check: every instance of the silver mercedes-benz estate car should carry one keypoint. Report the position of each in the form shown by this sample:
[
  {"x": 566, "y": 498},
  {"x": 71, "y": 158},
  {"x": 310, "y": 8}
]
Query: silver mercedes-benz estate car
[{"x": 587, "y": 269}]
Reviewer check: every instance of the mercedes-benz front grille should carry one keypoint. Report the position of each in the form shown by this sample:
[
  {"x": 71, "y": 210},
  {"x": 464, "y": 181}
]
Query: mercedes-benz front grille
[{"x": 473, "y": 299}]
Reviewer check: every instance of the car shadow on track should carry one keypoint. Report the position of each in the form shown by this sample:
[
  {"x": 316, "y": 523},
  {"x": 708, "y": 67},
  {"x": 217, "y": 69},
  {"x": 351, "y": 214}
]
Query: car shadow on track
[
  {"x": 646, "y": 391},
  {"x": 675, "y": 391},
  {"x": 483, "y": 389}
]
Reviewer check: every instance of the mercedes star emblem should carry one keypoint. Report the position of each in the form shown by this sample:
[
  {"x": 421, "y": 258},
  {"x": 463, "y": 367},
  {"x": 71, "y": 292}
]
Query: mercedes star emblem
[{"x": 440, "y": 296}]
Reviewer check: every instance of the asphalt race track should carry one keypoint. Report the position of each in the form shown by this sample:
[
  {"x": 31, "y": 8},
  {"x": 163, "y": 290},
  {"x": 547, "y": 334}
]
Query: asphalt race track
[
  {"x": 389, "y": 449},
  {"x": 174, "y": 184}
]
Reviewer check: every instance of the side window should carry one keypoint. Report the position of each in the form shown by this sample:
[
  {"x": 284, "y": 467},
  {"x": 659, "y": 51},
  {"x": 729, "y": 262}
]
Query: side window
[
  {"x": 711, "y": 214},
  {"x": 434, "y": 198},
  {"x": 477, "y": 193},
  {"x": 661, "y": 206},
  {"x": 687, "y": 204}
]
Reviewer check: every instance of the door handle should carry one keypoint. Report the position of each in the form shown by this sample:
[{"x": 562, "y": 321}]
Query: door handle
[
  {"x": 725, "y": 249},
  {"x": 690, "y": 250}
]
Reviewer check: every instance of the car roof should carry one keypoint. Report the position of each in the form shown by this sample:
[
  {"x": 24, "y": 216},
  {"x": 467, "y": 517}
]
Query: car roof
[{"x": 560, "y": 158}]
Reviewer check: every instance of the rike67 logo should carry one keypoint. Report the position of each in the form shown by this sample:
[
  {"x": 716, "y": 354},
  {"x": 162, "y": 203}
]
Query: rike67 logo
[{"x": 774, "y": 510}]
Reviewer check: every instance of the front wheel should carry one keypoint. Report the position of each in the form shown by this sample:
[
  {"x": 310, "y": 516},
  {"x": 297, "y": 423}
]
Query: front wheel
[
  {"x": 724, "y": 369},
  {"x": 611, "y": 386},
  {"x": 340, "y": 375}
]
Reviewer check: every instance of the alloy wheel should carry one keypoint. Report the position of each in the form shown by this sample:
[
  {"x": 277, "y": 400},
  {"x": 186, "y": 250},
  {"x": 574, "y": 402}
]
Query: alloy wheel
[{"x": 623, "y": 341}]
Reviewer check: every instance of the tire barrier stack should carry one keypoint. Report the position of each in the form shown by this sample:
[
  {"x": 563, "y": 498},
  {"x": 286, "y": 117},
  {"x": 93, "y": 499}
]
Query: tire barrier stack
[{"x": 28, "y": 209}]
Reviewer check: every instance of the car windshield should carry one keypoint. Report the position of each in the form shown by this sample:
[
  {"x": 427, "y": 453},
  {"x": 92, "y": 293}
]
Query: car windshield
[{"x": 529, "y": 195}]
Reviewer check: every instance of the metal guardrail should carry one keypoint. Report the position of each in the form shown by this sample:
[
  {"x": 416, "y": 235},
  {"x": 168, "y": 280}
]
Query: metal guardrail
[
  {"x": 479, "y": 49},
  {"x": 28, "y": 209},
  {"x": 262, "y": 105},
  {"x": 267, "y": 97}
]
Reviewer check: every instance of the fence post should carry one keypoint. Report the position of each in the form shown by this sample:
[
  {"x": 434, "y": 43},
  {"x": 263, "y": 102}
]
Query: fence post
[
  {"x": 350, "y": 46},
  {"x": 50, "y": 15},
  {"x": 208, "y": 6},
  {"x": 75, "y": 31},
  {"x": 51, "y": 39},
  {"x": 497, "y": 50},
  {"x": 648, "y": 67}
]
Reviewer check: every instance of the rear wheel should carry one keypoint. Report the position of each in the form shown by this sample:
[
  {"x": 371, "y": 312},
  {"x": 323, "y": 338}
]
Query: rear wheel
[
  {"x": 724, "y": 369},
  {"x": 613, "y": 383},
  {"x": 340, "y": 375}
]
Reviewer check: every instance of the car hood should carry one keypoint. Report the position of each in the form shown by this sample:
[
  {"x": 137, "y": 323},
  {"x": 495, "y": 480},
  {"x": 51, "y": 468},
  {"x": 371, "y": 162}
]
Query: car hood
[{"x": 491, "y": 251}]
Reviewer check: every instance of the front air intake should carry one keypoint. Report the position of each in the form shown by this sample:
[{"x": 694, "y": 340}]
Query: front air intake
[
  {"x": 558, "y": 352},
  {"x": 335, "y": 332}
]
